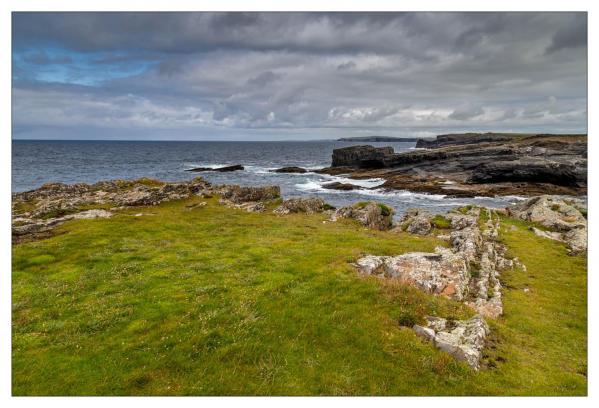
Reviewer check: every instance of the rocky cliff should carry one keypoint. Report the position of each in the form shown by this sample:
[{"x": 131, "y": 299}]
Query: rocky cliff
[{"x": 475, "y": 165}]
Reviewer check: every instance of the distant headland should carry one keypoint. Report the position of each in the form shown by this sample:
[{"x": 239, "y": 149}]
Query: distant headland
[{"x": 380, "y": 139}]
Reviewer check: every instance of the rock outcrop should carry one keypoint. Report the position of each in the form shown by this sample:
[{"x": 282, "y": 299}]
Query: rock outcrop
[
  {"x": 468, "y": 271},
  {"x": 361, "y": 156},
  {"x": 439, "y": 273},
  {"x": 564, "y": 217},
  {"x": 36, "y": 212},
  {"x": 239, "y": 194},
  {"x": 416, "y": 221},
  {"x": 370, "y": 214},
  {"x": 310, "y": 205},
  {"x": 463, "y": 339},
  {"x": 250, "y": 199},
  {"x": 475, "y": 165}
]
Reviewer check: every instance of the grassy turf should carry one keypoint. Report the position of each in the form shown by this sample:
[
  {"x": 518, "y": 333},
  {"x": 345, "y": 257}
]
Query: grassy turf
[{"x": 215, "y": 301}]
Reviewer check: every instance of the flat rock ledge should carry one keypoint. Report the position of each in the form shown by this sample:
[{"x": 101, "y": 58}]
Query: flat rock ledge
[{"x": 463, "y": 339}]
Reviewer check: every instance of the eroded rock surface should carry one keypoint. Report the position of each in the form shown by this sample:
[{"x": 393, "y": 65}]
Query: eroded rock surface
[
  {"x": 468, "y": 271},
  {"x": 564, "y": 217},
  {"x": 471, "y": 165},
  {"x": 35, "y": 213},
  {"x": 416, "y": 221},
  {"x": 370, "y": 214},
  {"x": 310, "y": 205},
  {"x": 250, "y": 199},
  {"x": 463, "y": 339},
  {"x": 440, "y": 273}
]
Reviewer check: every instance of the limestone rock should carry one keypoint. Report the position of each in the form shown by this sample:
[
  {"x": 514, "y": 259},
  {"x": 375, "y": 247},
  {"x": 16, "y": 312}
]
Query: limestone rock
[
  {"x": 442, "y": 272},
  {"x": 370, "y": 214},
  {"x": 417, "y": 221},
  {"x": 36, "y": 212},
  {"x": 463, "y": 339},
  {"x": 562, "y": 215},
  {"x": 556, "y": 236},
  {"x": 238, "y": 194},
  {"x": 310, "y": 205},
  {"x": 468, "y": 271}
]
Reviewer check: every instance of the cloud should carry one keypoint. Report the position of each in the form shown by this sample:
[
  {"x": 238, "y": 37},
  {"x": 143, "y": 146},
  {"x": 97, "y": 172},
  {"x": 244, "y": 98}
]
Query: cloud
[
  {"x": 573, "y": 35},
  {"x": 321, "y": 72},
  {"x": 466, "y": 112},
  {"x": 264, "y": 78}
]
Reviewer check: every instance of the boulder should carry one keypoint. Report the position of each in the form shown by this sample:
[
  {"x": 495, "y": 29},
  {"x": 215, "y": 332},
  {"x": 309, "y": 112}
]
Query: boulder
[
  {"x": 416, "y": 221},
  {"x": 370, "y": 214},
  {"x": 290, "y": 169},
  {"x": 463, "y": 339},
  {"x": 360, "y": 156},
  {"x": 308, "y": 205}
]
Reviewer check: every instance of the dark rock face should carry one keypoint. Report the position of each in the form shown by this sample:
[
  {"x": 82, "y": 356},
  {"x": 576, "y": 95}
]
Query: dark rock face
[
  {"x": 220, "y": 169},
  {"x": 335, "y": 185},
  {"x": 475, "y": 165},
  {"x": 361, "y": 156},
  {"x": 536, "y": 171},
  {"x": 290, "y": 169}
]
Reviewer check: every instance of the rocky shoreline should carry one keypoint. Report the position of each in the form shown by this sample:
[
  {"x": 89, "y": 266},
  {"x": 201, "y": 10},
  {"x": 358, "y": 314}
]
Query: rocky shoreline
[{"x": 474, "y": 165}]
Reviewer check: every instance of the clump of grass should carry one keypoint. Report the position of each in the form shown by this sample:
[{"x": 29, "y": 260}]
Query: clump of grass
[
  {"x": 555, "y": 207},
  {"x": 465, "y": 209},
  {"x": 328, "y": 206},
  {"x": 441, "y": 222},
  {"x": 385, "y": 210},
  {"x": 408, "y": 319}
]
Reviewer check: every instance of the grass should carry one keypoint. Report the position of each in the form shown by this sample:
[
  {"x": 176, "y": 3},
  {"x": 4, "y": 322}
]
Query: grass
[
  {"x": 217, "y": 301},
  {"x": 440, "y": 222}
]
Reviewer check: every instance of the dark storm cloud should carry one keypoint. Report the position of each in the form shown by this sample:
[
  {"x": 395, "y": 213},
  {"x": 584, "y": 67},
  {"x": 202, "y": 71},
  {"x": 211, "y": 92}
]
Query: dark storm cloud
[
  {"x": 359, "y": 72},
  {"x": 571, "y": 35}
]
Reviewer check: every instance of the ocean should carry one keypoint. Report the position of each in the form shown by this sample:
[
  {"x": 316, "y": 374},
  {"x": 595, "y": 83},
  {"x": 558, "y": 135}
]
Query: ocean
[{"x": 37, "y": 162}]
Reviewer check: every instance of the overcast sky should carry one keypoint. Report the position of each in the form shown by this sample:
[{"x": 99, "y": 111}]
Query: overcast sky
[{"x": 236, "y": 76}]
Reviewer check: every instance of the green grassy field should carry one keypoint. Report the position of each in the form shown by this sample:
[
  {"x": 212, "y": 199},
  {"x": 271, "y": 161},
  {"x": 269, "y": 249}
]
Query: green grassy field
[{"x": 215, "y": 301}]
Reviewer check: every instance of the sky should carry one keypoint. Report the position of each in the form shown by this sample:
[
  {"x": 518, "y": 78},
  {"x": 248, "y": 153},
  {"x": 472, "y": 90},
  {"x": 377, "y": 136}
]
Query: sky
[{"x": 296, "y": 76}]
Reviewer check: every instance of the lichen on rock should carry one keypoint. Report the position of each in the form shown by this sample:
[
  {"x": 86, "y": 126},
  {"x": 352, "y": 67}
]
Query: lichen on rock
[
  {"x": 463, "y": 339},
  {"x": 369, "y": 213}
]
